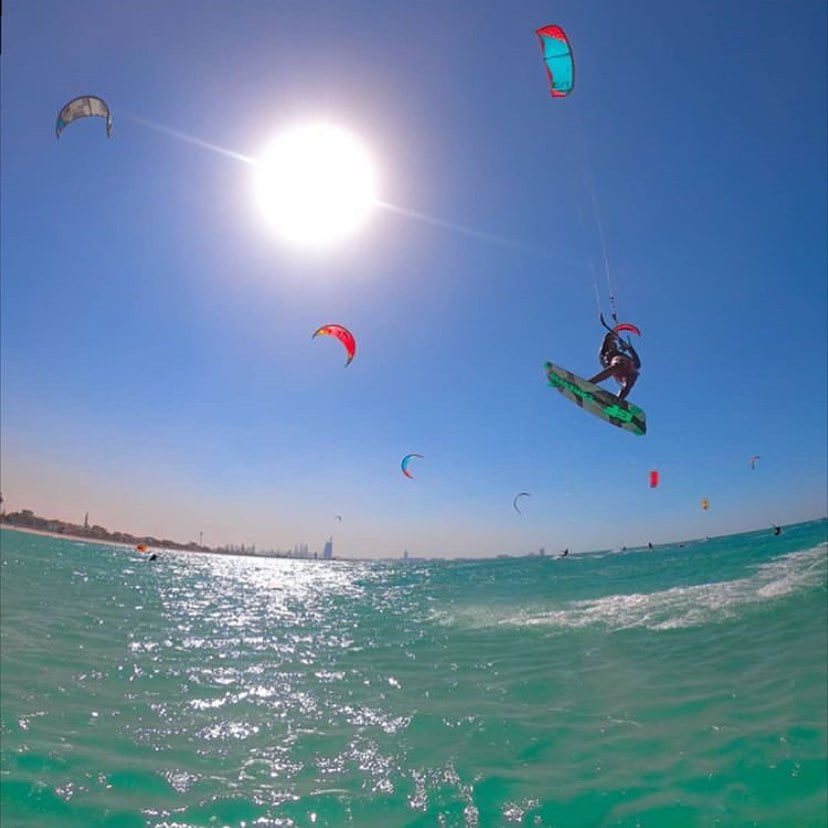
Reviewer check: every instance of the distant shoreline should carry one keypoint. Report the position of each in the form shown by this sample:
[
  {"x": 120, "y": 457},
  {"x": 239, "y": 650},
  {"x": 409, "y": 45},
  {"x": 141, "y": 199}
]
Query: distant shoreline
[
  {"x": 101, "y": 542},
  {"x": 27, "y": 520},
  {"x": 208, "y": 551},
  {"x": 150, "y": 548},
  {"x": 30, "y": 531}
]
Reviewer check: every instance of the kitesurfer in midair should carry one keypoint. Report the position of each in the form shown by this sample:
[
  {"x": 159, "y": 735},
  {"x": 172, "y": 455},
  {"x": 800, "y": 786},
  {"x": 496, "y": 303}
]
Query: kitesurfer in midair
[{"x": 620, "y": 361}]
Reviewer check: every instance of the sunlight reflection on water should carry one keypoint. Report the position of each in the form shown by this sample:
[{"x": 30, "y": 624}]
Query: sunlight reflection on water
[{"x": 203, "y": 689}]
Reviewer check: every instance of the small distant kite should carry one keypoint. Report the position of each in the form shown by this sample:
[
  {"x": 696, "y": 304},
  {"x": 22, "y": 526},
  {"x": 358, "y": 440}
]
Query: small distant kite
[
  {"x": 338, "y": 517},
  {"x": 404, "y": 465},
  {"x": 557, "y": 55},
  {"x": 342, "y": 334},
  {"x": 517, "y": 497},
  {"x": 83, "y": 107},
  {"x": 705, "y": 504},
  {"x": 753, "y": 460},
  {"x": 654, "y": 477}
]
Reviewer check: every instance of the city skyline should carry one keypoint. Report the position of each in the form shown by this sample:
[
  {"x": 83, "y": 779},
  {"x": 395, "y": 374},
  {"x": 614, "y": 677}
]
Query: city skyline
[{"x": 27, "y": 519}]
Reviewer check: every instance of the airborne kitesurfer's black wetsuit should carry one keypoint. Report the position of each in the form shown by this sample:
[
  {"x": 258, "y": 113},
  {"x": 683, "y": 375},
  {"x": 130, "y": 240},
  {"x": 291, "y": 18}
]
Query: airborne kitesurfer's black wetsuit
[{"x": 620, "y": 361}]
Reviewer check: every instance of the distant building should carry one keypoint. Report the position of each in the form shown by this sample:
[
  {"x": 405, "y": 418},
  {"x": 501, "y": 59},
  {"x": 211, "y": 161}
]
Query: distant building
[
  {"x": 405, "y": 554},
  {"x": 86, "y": 521},
  {"x": 327, "y": 552}
]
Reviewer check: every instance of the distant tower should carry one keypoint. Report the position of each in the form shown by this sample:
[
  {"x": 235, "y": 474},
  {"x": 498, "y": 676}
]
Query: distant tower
[
  {"x": 405, "y": 554},
  {"x": 86, "y": 521},
  {"x": 542, "y": 552},
  {"x": 327, "y": 552}
]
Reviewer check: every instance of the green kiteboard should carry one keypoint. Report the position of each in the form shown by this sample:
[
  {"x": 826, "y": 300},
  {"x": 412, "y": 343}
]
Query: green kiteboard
[{"x": 596, "y": 400}]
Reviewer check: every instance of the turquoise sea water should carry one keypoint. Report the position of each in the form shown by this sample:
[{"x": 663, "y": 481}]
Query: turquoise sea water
[{"x": 672, "y": 687}]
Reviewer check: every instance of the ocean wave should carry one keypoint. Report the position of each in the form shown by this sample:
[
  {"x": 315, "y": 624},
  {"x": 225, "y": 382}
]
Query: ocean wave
[{"x": 674, "y": 608}]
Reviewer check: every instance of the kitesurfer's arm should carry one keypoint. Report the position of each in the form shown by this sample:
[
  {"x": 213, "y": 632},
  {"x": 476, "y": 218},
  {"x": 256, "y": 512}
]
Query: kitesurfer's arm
[
  {"x": 634, "y": 356},
  {"x": 608, "y": 348}
]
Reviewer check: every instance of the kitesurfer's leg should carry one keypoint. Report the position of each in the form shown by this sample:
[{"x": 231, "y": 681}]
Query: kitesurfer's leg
[
  {"x": 602, "y": 376},
  {"x": 626, "y": 381},
  {"x": 626, "y": 387}
]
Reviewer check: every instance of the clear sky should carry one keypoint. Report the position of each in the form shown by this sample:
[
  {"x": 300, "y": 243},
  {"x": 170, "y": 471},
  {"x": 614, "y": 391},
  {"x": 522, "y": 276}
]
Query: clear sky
[{"x": 157, "y": 362}]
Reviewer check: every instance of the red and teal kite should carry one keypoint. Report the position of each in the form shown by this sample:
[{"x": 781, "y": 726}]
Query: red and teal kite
[
  {"x": 557, "y": 55},
  {"x": 404, "y": 465}
]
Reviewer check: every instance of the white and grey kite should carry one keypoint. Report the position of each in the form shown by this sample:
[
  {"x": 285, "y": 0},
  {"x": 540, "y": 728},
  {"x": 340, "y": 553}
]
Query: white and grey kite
[{"x": 83, "y": 107}]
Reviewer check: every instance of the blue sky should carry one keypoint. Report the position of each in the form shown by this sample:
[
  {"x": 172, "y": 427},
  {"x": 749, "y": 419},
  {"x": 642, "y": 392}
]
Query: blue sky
[{"x": 157, "y": 365}]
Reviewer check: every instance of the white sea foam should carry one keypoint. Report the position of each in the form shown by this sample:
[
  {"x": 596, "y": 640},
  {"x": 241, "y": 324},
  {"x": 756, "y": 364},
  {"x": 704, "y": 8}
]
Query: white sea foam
[{"x": 686, "y": 606}]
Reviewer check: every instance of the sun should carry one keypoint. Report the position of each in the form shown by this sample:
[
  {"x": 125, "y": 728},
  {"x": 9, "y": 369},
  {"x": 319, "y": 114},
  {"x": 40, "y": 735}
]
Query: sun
[{"x": 316, "y": 185}]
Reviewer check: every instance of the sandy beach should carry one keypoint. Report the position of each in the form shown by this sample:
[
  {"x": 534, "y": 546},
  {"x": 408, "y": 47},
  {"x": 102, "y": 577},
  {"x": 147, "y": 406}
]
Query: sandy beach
[{"x": 65, "y": 536}]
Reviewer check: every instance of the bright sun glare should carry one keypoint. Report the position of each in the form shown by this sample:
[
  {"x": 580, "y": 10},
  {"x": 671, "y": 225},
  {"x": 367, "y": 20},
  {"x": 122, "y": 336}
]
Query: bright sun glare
[{"x": 316, "y": 185}]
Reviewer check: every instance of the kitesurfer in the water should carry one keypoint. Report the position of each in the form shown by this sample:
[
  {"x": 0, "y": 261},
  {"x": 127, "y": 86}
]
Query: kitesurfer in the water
[
  {"x": 564, "y": 553},
  {"x": 620, "y": 361},
  {"x": 777, "y": 530}
]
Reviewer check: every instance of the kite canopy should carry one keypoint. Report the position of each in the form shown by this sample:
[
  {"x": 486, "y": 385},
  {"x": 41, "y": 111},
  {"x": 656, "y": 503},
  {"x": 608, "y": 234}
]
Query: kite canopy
[
  {"x": 342, "y": 334},
  {"x": 753, "y": 460},
  {"x": 705, "y": 504},
  {"x": 83, "y": 107},
  {"x": 654, "y": 478},
  {"x": 515, "y": 501},
  {"x": 626, "y": 326},
  {"x": 557, "y": 55},
  {"x": 404, "y": 464}
]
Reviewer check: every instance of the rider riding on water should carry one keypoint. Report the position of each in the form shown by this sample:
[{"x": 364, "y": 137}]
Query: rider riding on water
[{"x": 620, "y": 361}]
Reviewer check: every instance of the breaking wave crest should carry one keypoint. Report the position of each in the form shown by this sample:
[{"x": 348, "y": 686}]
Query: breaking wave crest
[{"x": 677, "y": 607}]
